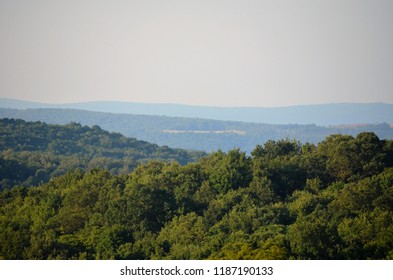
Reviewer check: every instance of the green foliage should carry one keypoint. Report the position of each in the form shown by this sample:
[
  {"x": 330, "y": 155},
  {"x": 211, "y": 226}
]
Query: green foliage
[
  {"x": 281, "y": 163},
  {"x": 33, "y": 152},
  {"x": 228, "y": 171},
  {"x": 286, "y": 201},
  {"x": 183, "y": 238}
]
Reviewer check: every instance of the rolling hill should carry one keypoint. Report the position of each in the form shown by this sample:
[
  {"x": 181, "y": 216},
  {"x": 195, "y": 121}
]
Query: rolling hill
[
  {"x": 323, "y": 114},
  {"x": 193, "y": 133},
  {"x": 34, "y": 152}
]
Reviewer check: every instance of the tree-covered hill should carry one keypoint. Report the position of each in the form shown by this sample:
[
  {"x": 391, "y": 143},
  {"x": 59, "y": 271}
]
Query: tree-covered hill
[
  {"x": 287, "y": 200},
  {"x": 34, "y": 152},
  {"x": 196, "y": 133}
]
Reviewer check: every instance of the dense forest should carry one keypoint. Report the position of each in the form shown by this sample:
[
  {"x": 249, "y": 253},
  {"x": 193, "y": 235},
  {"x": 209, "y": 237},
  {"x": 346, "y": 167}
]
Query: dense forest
[
  {"x": 193, "y": 133},
  {"x": 33, "y": 152},
  {"x": 286, "y": 200}
]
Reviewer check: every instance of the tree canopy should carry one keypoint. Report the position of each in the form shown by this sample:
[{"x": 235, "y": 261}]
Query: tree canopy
[
  {"x": 286, "y": 200},
  {"x": 34, "y": 152}
]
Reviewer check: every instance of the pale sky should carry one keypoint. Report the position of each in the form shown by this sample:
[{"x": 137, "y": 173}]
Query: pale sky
[{"x": 200, "y": 52}]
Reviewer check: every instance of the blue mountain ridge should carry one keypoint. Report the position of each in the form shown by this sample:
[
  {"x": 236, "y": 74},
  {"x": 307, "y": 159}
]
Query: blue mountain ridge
[{"x": 322, "y": 114}]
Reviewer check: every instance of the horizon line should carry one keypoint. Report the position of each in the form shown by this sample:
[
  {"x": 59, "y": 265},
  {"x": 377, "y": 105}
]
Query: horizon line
[{"x": 191, "y": 105}]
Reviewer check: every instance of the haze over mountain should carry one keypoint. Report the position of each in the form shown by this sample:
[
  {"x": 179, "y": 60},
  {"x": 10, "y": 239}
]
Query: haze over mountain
[
  {"x": 323, "y": 114},
  {"x": 194, "y": 133}
]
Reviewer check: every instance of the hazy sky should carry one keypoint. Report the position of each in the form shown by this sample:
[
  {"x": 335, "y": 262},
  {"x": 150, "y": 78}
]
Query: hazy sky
[{"x": 205, "y": 52}]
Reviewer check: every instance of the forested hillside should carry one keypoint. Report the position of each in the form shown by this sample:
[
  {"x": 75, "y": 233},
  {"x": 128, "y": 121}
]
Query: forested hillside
[
  {"x": 34, "y": 152},
  {"x": 287, "y": 200},
  {"x": 196, "y": 134}
]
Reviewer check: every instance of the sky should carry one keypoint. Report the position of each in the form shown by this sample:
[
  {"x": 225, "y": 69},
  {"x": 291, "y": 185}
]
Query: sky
[{"x": 201, "y": 52}]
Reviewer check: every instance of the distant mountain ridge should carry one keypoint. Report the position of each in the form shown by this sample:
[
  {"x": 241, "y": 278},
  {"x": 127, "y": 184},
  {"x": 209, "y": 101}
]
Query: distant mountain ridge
[
  {"x": 193, "y": 133},
  {"x": 323, "y": 114}
]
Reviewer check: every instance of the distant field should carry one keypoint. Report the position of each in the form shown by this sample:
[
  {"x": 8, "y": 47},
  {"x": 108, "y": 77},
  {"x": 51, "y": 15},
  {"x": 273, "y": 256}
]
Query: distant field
[{"x": 233, "y": 131}]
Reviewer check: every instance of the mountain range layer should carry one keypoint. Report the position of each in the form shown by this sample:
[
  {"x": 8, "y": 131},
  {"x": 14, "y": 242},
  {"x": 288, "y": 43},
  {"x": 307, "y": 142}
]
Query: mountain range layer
[
  {"x": 323, "y": 114},
  {"x": 193, "y": 133}
]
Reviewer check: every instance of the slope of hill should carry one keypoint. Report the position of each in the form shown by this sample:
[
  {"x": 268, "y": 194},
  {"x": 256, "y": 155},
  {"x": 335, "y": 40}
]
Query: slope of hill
[
  {"x": 323, "y": 114},
  {"x": 34, "y": 152},
  {"x": 191, "y": 133}
]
